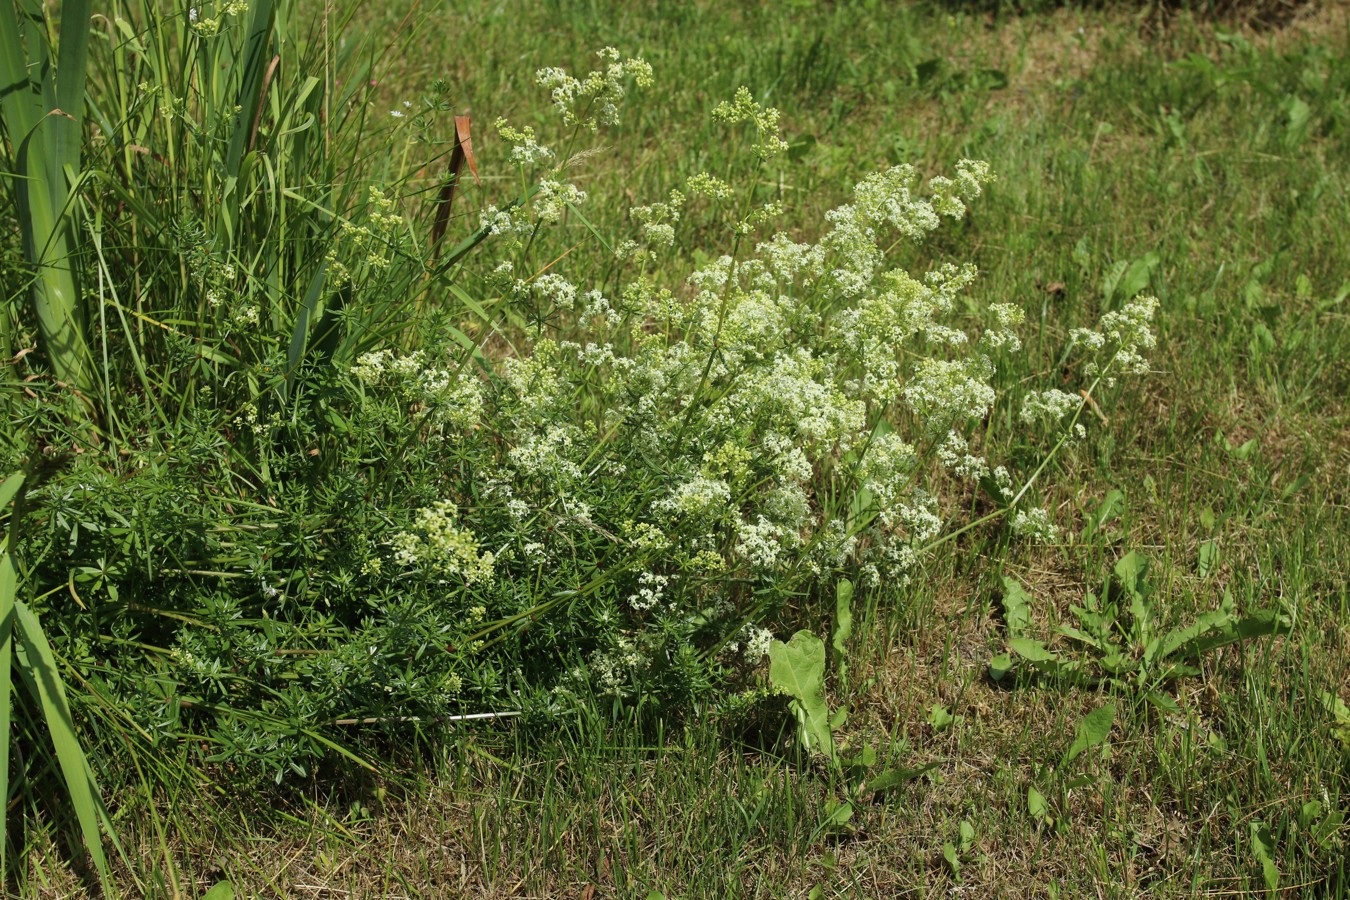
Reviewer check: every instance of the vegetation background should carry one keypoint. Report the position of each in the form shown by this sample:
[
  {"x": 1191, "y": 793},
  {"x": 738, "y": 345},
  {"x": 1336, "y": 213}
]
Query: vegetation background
[{"x": 1199, "y": 155}]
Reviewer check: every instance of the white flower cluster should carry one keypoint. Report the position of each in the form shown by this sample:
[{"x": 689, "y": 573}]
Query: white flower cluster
[
  {"x": 553, "y": 288},
  {"x": 658, "y": 220},
  {"x": 1050, "y": 406},
  {"x": 786, "y": 411},
  {"x": 756, "y": 644},
  {"x": 613, "y": 669},
  {"x": 364, "y": 249},
  {"x": 594, "y": 100},
  {"x": 525, "y": 150},
  {"x": 554, "y": 197},
  {"x": 435, "y": 545},
  {"x": 505, "y": 221},
  {"x": 954, "y": 453},
  {"x": 743, "y": 108},
  {"x": 455, "y": 399},
  {"x": 651, "y": 590},
  {"x": 765, "y": 374},
  {"x": 1122, "y": 337},
  {"x": 1035, "y": 523}
]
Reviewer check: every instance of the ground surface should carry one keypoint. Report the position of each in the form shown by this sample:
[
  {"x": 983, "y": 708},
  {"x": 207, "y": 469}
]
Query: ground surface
[{"x": 1222, "y": 151}]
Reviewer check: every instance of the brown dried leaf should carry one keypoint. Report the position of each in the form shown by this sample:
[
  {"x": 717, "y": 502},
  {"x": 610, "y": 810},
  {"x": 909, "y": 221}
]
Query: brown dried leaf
[{"x": 462, "y": 153}]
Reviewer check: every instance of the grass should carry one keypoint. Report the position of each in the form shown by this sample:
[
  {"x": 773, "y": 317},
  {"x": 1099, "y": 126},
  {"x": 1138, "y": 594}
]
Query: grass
[{"x": 1221, "y": 152}]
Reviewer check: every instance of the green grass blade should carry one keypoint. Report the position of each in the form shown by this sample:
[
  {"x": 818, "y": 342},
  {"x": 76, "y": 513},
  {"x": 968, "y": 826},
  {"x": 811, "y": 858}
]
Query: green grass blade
[
  {"x": 51, "y": 697},
  {"x": 46, "y": 147},
  {"x": 10, "y": 488},
  {"x": 250, "y": 92},
  {"x": 20, "y": 105},
  {"x": 71, "y": 71},
  {"x": 8, "y": 587}
]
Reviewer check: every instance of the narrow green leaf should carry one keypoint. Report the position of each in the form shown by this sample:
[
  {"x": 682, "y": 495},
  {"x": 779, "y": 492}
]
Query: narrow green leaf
[
  {"x": 10, "y": 488},
  {"x": 255, "y": 60},
  {"x": 304, "y": 317}
]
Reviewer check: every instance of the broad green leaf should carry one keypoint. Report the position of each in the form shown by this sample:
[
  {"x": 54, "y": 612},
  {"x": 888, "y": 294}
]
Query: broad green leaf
[
  {"x": 1036, "y": 805},
  {"x": 1081, "y": 636},
  {"x": 843, "y": 622},
  {"x": 1295, "y": 486},
  {"x": 894, "y": 778},
  {"x": 1216, "y": 620},
  {"x": 1016, "y": 607},
  {"x": 222, "y": 891},
  {"x": 1112, "y": 505},
  {"x": 1126, "y": 278},
  {"x": 1299, "y": 114},
  {"x": 1262, "y": 623},
  {"x": 1138, "y": 275},
  {"x": 967, "y": 832},
  {"x": 1263, "y": 848},
  {"x": 864, "y": 760},
  {"x": 1032, "y": 650},
  {"x": 1092, "y": 730},
  {"x": 953, "y": 860},
  {"x": 939, "y": 717},
  {"x": 1130, "y": 571},
  {"x": 1340, "y": 714},
  {"x": 837, "y": 815},
  {"x": 1112, "y": 278},
  {"x": 798, "y": 669},
  {"x": 1000, "y": 666},
  {"x": 1208, "y": 558}
]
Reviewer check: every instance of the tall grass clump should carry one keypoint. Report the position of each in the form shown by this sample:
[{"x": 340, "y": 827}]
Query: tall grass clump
[
  {"x": 197, "y": 233},
  {"x": 319, "y": 475}
]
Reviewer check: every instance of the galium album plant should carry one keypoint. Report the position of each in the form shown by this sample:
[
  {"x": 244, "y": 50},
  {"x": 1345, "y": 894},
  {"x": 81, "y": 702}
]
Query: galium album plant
[
  {"x": 700, "y": 454},
  {"x": 626, "y": 488}
]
